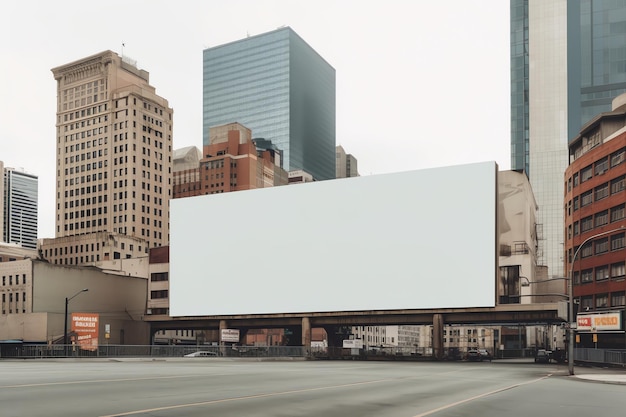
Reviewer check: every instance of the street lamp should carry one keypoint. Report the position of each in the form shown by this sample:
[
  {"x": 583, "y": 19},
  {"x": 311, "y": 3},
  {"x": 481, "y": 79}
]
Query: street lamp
[
  {"x": 67, "y": 301},
  {"x": 570, "y": 347}
]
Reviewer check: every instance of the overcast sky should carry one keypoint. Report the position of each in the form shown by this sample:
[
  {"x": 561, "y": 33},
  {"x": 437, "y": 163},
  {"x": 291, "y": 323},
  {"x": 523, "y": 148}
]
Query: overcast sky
[{"x": 420, "y": 84}]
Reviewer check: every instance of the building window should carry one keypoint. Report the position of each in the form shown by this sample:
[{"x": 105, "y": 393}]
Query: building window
[
  {"x": 602, "y": 191},
  {"x": 617, "y": 157},
  {"x": 618, "y": 184},
  {"x": 159, "y": 276},
  {"x": 602, "y": 166},
  {"x": 617, "y": 242},
  {"x": 586, "y": 224},
  {"x": 587, "y": 276},
  {"x": 618, "y": 270},
  {"x": 586, "y": 303},
  {"x": 586, "y": 198},
  {"x": 586, "y": 174},
  {"x": 158, "y": 294},
  {"x": 618, "y": 299},
  {"x": 617, "y": 212},
  {"x": 602, "y": 246},
  {"x": 602, "y": 300},
  {"x": 602, "y": 218},
  {"x": 602, "y": 273}
]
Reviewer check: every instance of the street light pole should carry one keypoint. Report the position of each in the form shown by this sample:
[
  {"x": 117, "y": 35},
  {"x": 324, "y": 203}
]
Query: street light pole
[
  {"x": 67, "y": 302},
  {"x": 570, "y": 346}
]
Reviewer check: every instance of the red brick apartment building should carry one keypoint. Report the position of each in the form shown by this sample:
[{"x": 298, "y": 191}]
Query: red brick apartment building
[
  {"x": 594, "y": 204},
  {"x": 231, "y": 162}
]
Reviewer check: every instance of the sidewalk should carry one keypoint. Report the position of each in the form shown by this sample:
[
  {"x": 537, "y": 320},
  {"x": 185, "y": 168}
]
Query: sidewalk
[
  {"x": 583, "y": 372},
  {"x": 600, "y": 375}
]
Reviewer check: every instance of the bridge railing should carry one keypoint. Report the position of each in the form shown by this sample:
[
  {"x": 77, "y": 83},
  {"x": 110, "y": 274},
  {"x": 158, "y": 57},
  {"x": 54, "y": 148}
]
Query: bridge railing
[{"x": 608, "y": 357}]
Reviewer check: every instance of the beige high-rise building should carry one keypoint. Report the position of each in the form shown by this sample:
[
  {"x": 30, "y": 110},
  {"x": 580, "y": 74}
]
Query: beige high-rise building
[
  {"x": 113, "y": 158},
  {"x": 345, "y": 164}
]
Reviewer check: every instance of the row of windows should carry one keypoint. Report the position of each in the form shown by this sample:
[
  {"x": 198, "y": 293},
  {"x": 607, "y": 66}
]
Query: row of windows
[
  {"x": 159, "y": 276},
  {"x": 146, "y": 105},
  {"x": 600, "y": 192},
  {"x": 616, "y": 271},
  {"x": 9, "y": 279},
  {"x": 12, "y": 305},
  {"x": 88, "y": 223},
  {"x": 87, "y": 112},
  {"x": 617, "y": 299},
  {"x": 88, "y": 247},
  {"x": 159, "y": 294},
  {"x": 10, "y": 297},
  {"x": 597, "y": 168},
  {"x": 601, "y": 246},
  {"x": 83, "y": 89},
  {"x": 599, "y": 219},
  {"x": 86, "y": 134}
]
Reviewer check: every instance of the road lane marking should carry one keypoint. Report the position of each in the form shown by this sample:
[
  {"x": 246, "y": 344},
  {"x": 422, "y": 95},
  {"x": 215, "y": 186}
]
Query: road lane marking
[
  {"x": 245, "y": 397},
  {"x": 476, "y": 397},
  {"x": 95, "y": 381}
]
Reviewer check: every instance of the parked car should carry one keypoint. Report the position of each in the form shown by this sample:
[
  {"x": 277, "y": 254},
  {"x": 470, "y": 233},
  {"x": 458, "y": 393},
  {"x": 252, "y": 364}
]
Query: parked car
[
  {"x": 473, "y": 355},
  {"x": 485, "y": 355},
  {"x": 542, "y": 356},
  {"x": 201, "y": 354},
  {"x": 478, "y": 355}
]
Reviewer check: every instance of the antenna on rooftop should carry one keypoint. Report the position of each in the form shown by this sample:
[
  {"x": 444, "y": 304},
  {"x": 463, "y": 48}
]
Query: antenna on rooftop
[{"x": 123, "y": 45}]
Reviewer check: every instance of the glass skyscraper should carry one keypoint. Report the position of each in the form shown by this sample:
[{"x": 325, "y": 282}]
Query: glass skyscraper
[
  {"x": 279, "y": 87},
  {"x": 20, "y": 208},
  {"x": 568, "y": 61}
]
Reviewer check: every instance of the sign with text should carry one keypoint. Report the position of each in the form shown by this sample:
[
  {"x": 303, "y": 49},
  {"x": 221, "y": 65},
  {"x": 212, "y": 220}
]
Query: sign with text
[
  {"x": 85, "y": 329},
  {"x": 607, "y": 321},
  {"x": 230, "y": 335},
  {"x": 353, "y": 343}
]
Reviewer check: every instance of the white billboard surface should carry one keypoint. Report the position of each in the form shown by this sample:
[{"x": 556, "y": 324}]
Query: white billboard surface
[{"x": 410, "y": 240}]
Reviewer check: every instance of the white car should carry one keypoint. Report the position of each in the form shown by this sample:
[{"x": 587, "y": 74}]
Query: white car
[{"x": 200, "y": 354}]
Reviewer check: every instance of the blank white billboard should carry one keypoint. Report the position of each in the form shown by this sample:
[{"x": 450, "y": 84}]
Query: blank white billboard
[{"x": 409, "y": 240}]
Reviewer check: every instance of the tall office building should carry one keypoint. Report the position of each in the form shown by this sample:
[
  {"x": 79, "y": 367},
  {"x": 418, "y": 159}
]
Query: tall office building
[
  {"x": 568, "y": 61},
  {"x": 114, "y": 159},
  {"x": 279, "y": 87},
  {"x": 18, "y": 193},
  {"x": 346, "y": 164}
]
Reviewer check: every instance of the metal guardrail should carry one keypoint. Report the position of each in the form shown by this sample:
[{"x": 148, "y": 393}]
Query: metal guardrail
[
  {"x": 611, "y": 357},
  {"x": 28, "y": 351},
  {"x": 608, "y": 357}
]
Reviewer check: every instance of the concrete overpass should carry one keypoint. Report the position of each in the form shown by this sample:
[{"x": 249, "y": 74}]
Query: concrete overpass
[{"x": 302, "y": 323}]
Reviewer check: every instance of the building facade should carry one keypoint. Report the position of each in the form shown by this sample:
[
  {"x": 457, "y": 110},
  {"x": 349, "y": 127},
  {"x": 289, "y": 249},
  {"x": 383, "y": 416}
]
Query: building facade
[
  {"x": 517, "y": 223},
  {"x": 346, "y": 164},
  {"x": 231, "y": 162},
  {"x": 114, "y": 151},
  {"x": 19, "y": 196},
  {"x": 595, "y": 213},
  {"x": 567, "y": 63},
  {"x": 32, "y": 302},
  {"x": 283, "y": 90},
  {"x": 91, "y": 248}
]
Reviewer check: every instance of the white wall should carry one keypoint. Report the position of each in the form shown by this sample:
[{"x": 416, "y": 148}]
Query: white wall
[{"x": 410, "y": 240}]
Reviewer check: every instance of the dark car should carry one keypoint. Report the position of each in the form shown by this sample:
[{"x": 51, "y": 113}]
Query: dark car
[
  {"x": 473, "y": 355},
  {"x": 542, "y": 356}
]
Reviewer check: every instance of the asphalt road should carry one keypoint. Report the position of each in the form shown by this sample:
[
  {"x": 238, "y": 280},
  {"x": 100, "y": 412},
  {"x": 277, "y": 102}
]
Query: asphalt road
[{"x": 194, "y": 387}]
